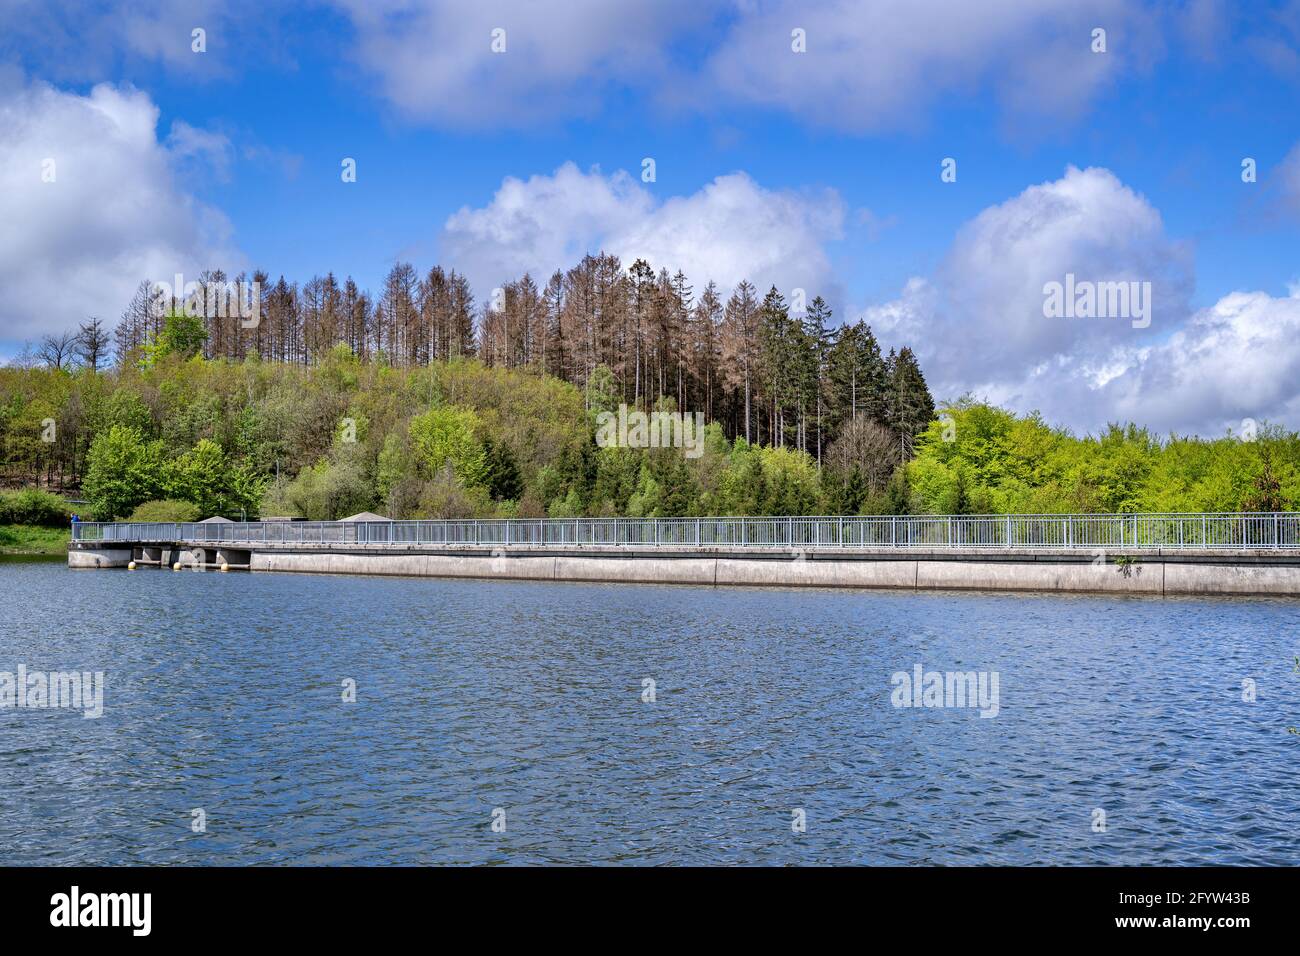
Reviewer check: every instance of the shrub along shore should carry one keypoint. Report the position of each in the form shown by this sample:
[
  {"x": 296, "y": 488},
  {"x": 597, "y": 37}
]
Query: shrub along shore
[
  {"x": 20, "y": 539},
  {"x": 33, "y": 522}
]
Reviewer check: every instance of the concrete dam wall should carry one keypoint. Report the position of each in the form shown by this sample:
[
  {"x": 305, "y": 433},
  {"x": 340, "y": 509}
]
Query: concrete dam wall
[{"x": 1247, "y": 572}]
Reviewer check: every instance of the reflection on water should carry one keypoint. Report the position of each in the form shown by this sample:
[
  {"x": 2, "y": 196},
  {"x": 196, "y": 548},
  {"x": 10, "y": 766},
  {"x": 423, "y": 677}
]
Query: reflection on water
[{"x": 224, "y": 693}]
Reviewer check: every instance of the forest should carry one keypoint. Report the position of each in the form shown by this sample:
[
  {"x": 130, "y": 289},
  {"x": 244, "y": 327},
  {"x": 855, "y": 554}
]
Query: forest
[{"x": 417, "y": 403}]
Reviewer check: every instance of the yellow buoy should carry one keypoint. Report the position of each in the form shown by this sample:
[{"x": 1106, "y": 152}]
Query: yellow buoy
[
  {"x": 224, "y": 566},
  {"x": 176, "y": 566},
  {"x": 131, "y": 566}
]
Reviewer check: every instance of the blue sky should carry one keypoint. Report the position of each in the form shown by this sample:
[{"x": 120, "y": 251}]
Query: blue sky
[{"x": 829, "y": 160}]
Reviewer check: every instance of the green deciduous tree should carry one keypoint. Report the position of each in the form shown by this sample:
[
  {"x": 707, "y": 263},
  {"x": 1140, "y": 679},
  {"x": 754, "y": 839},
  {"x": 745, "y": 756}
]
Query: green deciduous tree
[
  {"x": 207, "y": 478},
  {"x": 123, "y": 471},
  {"x": 181, "y": 335},
  {"x": 448, "y": 435}
]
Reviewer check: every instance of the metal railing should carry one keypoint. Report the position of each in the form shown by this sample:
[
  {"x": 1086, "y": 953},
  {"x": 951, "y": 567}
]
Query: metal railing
[{"x": 1078, "y": 532}]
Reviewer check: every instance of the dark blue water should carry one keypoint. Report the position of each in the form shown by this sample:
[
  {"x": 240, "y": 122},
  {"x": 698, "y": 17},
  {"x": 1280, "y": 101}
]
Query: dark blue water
[{"x": 224, "y": 692}]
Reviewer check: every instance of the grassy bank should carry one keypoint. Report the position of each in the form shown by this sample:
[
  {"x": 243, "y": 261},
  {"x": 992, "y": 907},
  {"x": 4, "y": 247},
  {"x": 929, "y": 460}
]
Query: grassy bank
[{"x": 30, "y": 539}]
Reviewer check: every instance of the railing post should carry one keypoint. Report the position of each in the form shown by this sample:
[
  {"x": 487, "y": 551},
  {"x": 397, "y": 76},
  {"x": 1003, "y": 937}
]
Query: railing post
[
  {"x": 1008, "y": 531},
  {"x": 1276, "y": 543},
  {"x": 893, "y": 531}
]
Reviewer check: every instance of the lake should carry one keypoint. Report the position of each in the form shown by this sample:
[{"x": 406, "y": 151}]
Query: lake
[{"x": 499, "y": 722}]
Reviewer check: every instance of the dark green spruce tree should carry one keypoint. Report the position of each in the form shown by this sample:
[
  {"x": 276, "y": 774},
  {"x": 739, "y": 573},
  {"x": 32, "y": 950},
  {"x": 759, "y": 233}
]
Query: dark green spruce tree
[
  {"x": 857, "y": 381},
  {"x": 820, "y": 339},
  {"x": 910, "y": 406}
]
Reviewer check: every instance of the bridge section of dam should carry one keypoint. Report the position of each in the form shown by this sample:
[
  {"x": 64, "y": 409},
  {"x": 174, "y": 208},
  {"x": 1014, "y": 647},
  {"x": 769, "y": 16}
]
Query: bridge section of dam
[{"x": 1242, "y": 554}]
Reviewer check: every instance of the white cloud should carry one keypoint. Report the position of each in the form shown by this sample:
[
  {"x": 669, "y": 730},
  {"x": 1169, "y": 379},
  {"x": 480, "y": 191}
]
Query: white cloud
[
  {"x": 1286, "y": 182},
  {"x": 980, "y": 318},
  {"x": 542, "y": 224},
  {"x": 85, "y": 39},
  {"x": 1237, "y": 359},
  {"x": 114, "y": 214},
  {"x": 163, "y": 29},
  {"x": 868, "y": 67},
  {"x": 978, "y": 321},
  {"x": 434, "y": 58},
  {"x": 211, "y": 149},
  {"x": 1204, "y": 25},
  {"x": 731, "y": 229}
]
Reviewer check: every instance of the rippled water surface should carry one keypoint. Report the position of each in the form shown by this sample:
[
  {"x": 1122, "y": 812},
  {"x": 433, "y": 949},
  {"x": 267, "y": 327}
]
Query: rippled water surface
[{"x": 224, "y": 692}]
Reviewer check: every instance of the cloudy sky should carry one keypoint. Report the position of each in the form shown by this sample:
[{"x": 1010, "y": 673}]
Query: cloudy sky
[{"x": 818, "y": 169}]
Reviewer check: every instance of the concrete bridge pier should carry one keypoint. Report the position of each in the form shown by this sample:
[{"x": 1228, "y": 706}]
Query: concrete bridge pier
[
  {"x": 99, "y": 557},
  {"x": 196, "y": 558},
  {"x": 233, "y": 558},
  {"x": 151, "y": 556},
  {"x": 190, "y": 557}
]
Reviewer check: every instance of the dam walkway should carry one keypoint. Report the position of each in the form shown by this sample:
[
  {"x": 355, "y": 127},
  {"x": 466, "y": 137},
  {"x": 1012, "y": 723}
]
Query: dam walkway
[
  {"x": 1084, "y": 533},
  {"x": 1151, "y": 555}
]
